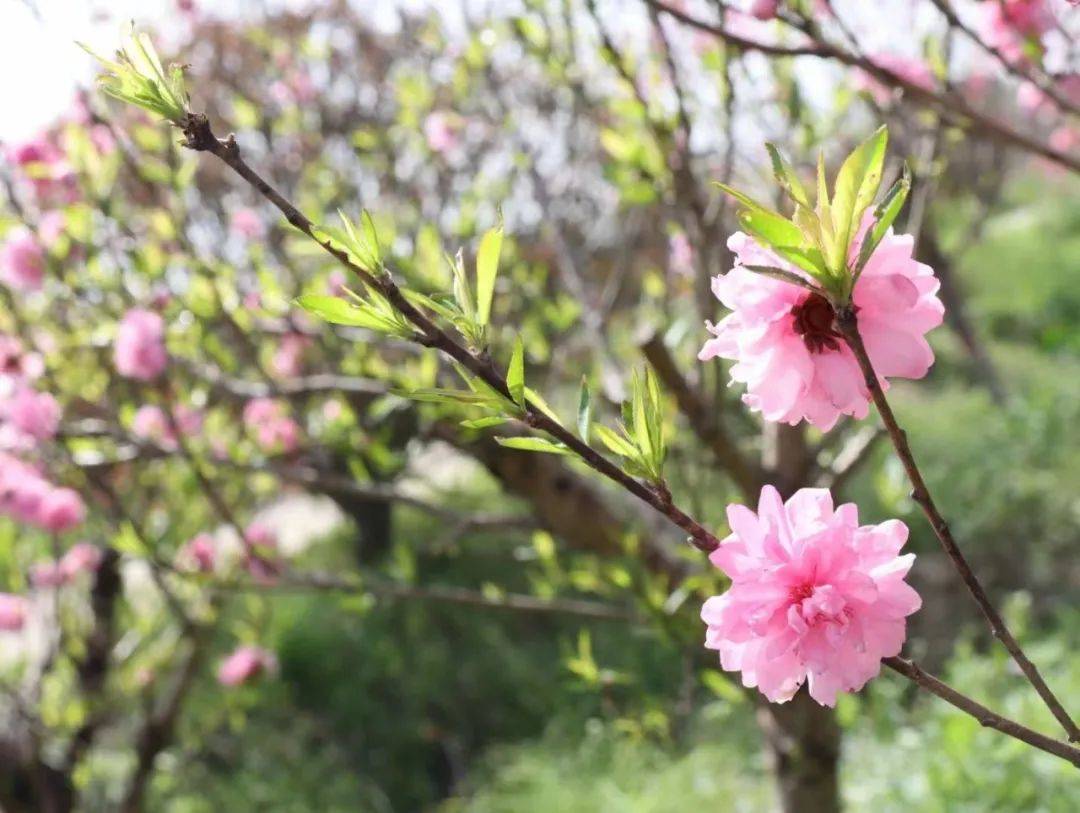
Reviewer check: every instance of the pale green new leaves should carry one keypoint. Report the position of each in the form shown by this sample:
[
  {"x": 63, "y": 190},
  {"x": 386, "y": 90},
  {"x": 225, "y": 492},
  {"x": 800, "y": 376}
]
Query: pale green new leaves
[
  {"x": 372, "y": 311},
  {"x": 818, "y": 237},
  {"x": 640, "y": 440},
  {"x": 470, "y": 314},
  {"x": 137, "y": 77}
]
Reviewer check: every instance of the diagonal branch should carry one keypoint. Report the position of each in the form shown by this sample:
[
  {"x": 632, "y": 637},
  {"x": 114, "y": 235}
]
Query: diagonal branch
[
  {"x": 848, "y": 324},
  {"x": 200, "y": 137}
]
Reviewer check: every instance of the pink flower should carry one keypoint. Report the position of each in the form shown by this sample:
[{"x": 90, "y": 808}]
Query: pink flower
[
  {"x": 913, "y": 71},
  {"x": 681, "y": 254},
  {"x": 22, "y": 261},
  {"x": 139, "y": 351},
  {"x": 814, "y": 596},
  {"x": 1007, "y": 25},
  {"x": 336, "y": 282},
  {"x": 289, "y": 355},
  {"x": 12, "y": 612},
  {"x": 787, "y": 350},
  {"x": 61, "y": 510},
  {"x": 244, "y": 665},
  {"x": 440, "y": 131},
  {"x": 33, "y": 416},
  {"x": 17, "y": 365},
  {"x": 247, "y": 224},
  {"x": 260, "y": 553},
  {"x": 45, "y": 168},
  {"x": 764, "y": 9},
  {"x": 47, "y": 574},
  {"x": 1064, "y": 138},
  {"x": 269, "y": 422},
  {"x": 200, "y": 553},
  {"x": 152, "y": 423},
  {"x": 80, "y": 558}
]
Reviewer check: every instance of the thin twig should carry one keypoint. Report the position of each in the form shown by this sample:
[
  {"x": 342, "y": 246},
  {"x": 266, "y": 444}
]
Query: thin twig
[
  {"x": 848, "y": 324},
  {"x": 200, "y": 137},
  {"x": 950, "y": 106}
]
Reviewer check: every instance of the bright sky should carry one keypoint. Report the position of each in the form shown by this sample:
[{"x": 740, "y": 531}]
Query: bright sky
[{"x": 39, "y": 60}]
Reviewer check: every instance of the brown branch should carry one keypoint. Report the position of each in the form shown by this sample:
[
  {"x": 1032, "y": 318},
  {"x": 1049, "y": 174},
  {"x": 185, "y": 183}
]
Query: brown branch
[
  {"x": 443, "y": 593},
  {"x": 704, "y": 422},
  {"x": 848, "y": 324},
  {"x": 1035, "y": 76},
  {"x": 950, "y": 106},
  {"x": 200, "y": 137},
  {"x": 985, "y": 716}
]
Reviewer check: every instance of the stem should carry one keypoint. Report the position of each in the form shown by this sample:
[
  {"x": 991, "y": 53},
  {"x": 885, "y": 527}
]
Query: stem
[
  {"x": 916, "y": 674},
  {"x": 201, "y": 138},
  {"x": 847, "y": 322}
]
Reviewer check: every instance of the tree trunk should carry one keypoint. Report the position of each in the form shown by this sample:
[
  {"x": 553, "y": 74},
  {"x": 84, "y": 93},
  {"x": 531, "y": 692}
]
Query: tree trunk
[{"x": 803, "y": 737}]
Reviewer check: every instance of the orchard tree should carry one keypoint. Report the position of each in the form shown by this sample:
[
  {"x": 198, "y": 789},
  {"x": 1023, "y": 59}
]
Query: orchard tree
[{"x": 190, "y": 329}]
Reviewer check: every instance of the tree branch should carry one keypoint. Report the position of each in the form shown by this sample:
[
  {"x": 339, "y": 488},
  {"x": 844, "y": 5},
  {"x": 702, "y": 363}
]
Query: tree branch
[
  {"x": 848, "y": 325},
  {"x": 200, "y": 137}
]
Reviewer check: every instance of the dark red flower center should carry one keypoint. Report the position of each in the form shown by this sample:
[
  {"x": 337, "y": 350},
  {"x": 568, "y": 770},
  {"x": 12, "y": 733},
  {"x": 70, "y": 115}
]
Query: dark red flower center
[{"x": 815, "y": 321}]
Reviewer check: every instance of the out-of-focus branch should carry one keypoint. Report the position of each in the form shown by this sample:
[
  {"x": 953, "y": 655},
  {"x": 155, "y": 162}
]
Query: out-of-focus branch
[
  {"x": 850, "y": 459},
  {"x": 200, "y": 137},
  {"x": 950, "y": 105},
  {"x": 705, "y": 423},
  {"x": 1018, "y": 69},
  {"x": 443, "y": 594}
]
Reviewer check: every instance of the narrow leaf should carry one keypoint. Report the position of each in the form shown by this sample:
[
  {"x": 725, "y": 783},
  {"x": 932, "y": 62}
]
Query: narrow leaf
[
  {"x": 584, "y": 415},
  {"x": 884, "y": 216},
  {"x": 534, "y": 445},
  {"x": 786, "y": 177},
  {"x": 487, "y": 269},
  {"x": 857, "y": 184},
  {"x": 515, "y": 374}
]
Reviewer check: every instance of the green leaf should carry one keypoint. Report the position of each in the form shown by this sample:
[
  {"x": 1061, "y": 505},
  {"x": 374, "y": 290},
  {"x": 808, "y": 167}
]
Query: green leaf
[
  {"x": 515, "y": 373},
  {"x": 487, "y": 269},
  {"x": 434, "y": 395},
  {"x": 363, "y": 245},
  {"x": 614, "y": 442},
  {"x": 856, "y": 186},
  {"x": 534, "y": 445},
  {"x": 786, "y": 177},
  {"x": 771, "y": 228},
  {"x": 884, "y": 216},
  {"x": 537, "y": 400},
  {"x": 782, "y": 275},
  {"x": 584, "y": 415},
  {"x": 339, "y": 312},
  {"x": 745, "y": 199},
  {"x": 484, "y": 423},
  {"x": 462, "y": 290}
]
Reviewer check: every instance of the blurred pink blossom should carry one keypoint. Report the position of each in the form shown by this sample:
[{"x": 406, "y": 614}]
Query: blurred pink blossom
[
  {"x": 681, "y": 254},
  {"x": 13, "y": 610},
  {"x": 61, "y": 510},
  {"x": 80, "y": 558},
  {"x": 244, "y": 665},
  {"x": 17, "y": 365},
  {"x": 28, "y": 417},
  {"x": 247, "y": 223},
  {"x": 441, "y": 132},
  {"x": 200, "y": 553},
  {"x": 289, "y": 356},
  {"x": 814, "y": 596},
  {"x": 22, "y": 260},
  {"x": 268, "y": 420},
  {"x": 910, "y": 69},
  {"x": 152, "y": 423},
  {"x": 139, "y": 351},
  {"x": 764, "y": 9}
]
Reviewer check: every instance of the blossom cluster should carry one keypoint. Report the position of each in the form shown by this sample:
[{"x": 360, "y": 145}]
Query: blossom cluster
[{"x": 815, "y": 597}]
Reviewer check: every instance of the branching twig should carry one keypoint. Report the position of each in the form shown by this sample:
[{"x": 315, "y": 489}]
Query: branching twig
[{"x": 200, "y": 137}]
